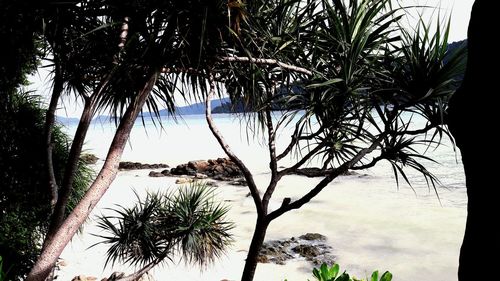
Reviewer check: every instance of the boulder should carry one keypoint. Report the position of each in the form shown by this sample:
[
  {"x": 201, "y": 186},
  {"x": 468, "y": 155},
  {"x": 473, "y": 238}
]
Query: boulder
[
  {"x": 307, "y": 251},
  {"x": 156, "y": 174},
  {"x": 199, "y": 166},
  {"x": 310, "y": 247},
  {"x": 139, "y": 166},
  {"x": 313, "y": 236}
]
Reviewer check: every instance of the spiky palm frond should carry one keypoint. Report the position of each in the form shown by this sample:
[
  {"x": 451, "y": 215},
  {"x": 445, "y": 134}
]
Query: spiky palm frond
[{"x": 188, "y": 222}]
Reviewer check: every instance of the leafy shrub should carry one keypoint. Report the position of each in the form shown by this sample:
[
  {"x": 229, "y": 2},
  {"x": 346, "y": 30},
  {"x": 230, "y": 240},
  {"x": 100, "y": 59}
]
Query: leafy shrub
[
  {"x": 325, "y": 273},
  {"x": 24, "y": 193}
]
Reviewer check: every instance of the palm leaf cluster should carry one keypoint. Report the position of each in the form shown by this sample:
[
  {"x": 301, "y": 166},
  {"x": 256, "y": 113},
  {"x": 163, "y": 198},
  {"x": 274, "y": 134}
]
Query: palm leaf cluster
[
  {"x": 188, "y": 224},
  {"x": 370, "y": 76}
]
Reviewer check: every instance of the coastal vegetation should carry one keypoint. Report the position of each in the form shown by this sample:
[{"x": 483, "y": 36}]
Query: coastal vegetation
[
  {"x": 188, "y": 222},
  {"x": 346, "y": 70},
  {"x": 24, "y": 202}
]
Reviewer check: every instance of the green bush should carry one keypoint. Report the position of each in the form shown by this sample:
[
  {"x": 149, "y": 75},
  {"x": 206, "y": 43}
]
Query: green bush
[
  {"x": 2, "y": 273},
  {"x": 24, "y": 193},
  {"x": 325, "y": 273}
]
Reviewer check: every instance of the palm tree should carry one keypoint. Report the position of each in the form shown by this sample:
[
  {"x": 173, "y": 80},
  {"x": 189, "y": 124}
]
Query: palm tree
[
  {"x": 188, "y": 222},
  {"x": 161, "y": 37},
  {"x": 358, "y": 84}
]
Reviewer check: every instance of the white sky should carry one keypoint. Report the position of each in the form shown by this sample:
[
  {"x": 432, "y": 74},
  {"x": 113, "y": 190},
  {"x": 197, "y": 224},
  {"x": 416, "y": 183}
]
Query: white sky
[{"x": 459, "y": 10}]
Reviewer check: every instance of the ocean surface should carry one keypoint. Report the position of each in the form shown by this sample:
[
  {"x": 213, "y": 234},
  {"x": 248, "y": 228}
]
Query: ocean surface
[{"x": 370, "y": 222}]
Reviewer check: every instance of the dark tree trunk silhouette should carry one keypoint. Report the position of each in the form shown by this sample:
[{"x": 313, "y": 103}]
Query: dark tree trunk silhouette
[
  {"x": 54, "y": 248},
  {"x": 71, "y": 167},
  {"x": 259, "y": 234},
  {"x": 471, "y": 122},
  {"x": 49, "y": 126}
]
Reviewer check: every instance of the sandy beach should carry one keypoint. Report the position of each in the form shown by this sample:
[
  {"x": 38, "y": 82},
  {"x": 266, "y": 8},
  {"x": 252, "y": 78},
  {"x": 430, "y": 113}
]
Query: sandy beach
[{"x": 369, "y": 222}]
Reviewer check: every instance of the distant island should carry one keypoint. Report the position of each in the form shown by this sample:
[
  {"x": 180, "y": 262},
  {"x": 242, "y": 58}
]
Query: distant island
[{"x": 224, "y": 105}]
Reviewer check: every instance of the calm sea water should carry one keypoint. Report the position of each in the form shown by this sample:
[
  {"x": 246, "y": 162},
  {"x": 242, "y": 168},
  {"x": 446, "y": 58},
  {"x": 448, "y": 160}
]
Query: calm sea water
[{"x": 369, "y": 221}]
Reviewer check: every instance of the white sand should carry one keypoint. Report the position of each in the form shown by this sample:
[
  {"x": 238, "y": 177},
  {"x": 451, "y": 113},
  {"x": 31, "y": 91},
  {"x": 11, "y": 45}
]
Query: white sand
[{"x": 368, "y": 222}]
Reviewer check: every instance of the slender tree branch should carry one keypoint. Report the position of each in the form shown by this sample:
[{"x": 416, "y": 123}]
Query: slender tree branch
[
  {"x": 323, "y": 183},
  {"x": 424, "y": 130},
  {"x": 136, "y": 275},
  {"x": 372, "y": 163},
  {"x": 273, "y": 163},
  {"x": 268, "y": 62},
  {"x": 254, "y": 191},
  {"x": 302, "y": 161},
  {"x": 49, "y": 126},
  {"x": 296, "y": 138}
]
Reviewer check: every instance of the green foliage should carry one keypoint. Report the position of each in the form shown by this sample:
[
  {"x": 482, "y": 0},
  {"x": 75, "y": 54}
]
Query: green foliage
[
  {"x": 3, "y": 275},
  {"x": 188, "y": 222},
  {"x": 325, "y": 273},
  {"x": 24, "y": 193}
]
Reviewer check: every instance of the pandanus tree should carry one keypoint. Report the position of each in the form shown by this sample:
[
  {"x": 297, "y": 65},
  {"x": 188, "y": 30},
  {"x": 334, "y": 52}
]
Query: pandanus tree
[
  {"x": 188, "y": 222},
  {"x": 352, "y": 77},
  {"x": 152, "y": 40}
]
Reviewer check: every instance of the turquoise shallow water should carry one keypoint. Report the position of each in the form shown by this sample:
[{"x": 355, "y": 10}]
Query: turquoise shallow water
[{"x": 370, "y": 223}]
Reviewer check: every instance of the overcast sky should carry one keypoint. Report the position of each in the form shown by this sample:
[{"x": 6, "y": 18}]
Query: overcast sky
[{"x": 458, "y": 9}]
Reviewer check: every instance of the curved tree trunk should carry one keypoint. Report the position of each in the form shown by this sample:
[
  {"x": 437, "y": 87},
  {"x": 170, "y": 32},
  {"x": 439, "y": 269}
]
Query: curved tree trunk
[
  {"x": 259, "y": 235},
  {"x": 49, "y": 126},
  {"x": 52, "y": 250},
  {"x": 71, "y": 167},
  {"x": 471, "y": 121}
]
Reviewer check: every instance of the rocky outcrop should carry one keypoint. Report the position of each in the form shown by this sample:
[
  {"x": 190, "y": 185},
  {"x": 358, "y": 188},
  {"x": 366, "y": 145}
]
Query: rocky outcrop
[
  {"x": 310, "y": 246},
  {"x": 124, "y": 166},
  {"x": 220, "y": 168}
]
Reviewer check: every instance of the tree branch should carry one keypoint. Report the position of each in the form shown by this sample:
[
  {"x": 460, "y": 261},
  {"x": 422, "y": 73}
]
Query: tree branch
[
  {"x": 136, "y": 275},
  {"x": 296, "y": 138},
  {"x": 413, "y": 132},
  {"x": 254, "y": 191},
  {"x": 302, "y": 161},
  {"x": 268, "y": 62},
  {"x": 273, "y": 162},
  {"x": 323, "y": 183}
]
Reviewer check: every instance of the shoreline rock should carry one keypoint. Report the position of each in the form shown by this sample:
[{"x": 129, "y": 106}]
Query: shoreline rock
[
  {"x": 310, "y": 246},
  {"x": 127, "y": 166},
  {"x": 220, "y": 169}
]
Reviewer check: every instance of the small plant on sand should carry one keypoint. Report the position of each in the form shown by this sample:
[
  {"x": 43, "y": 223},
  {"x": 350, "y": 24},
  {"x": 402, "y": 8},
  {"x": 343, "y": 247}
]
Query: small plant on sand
[
  {"x": 188, "y": 222},
  {"x": 325, "y": 273}
]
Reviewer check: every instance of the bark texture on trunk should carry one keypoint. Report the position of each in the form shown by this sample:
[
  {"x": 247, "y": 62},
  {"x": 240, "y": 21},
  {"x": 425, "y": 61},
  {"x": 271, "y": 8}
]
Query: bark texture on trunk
[
  {"x": 104, "y": 179},
  {"x": 259, "y": 235},
  {"x": 471, "y": 121},
  {"x": 71, "y": 167},
  {"x": 49, "y": 126}
]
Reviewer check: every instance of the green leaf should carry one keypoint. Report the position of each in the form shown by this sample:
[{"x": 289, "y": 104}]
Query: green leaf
[
  {"x": 387, "y": 276},
  {"x": 334, "y": 270},
  {"x": 326, "y": 83}
]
